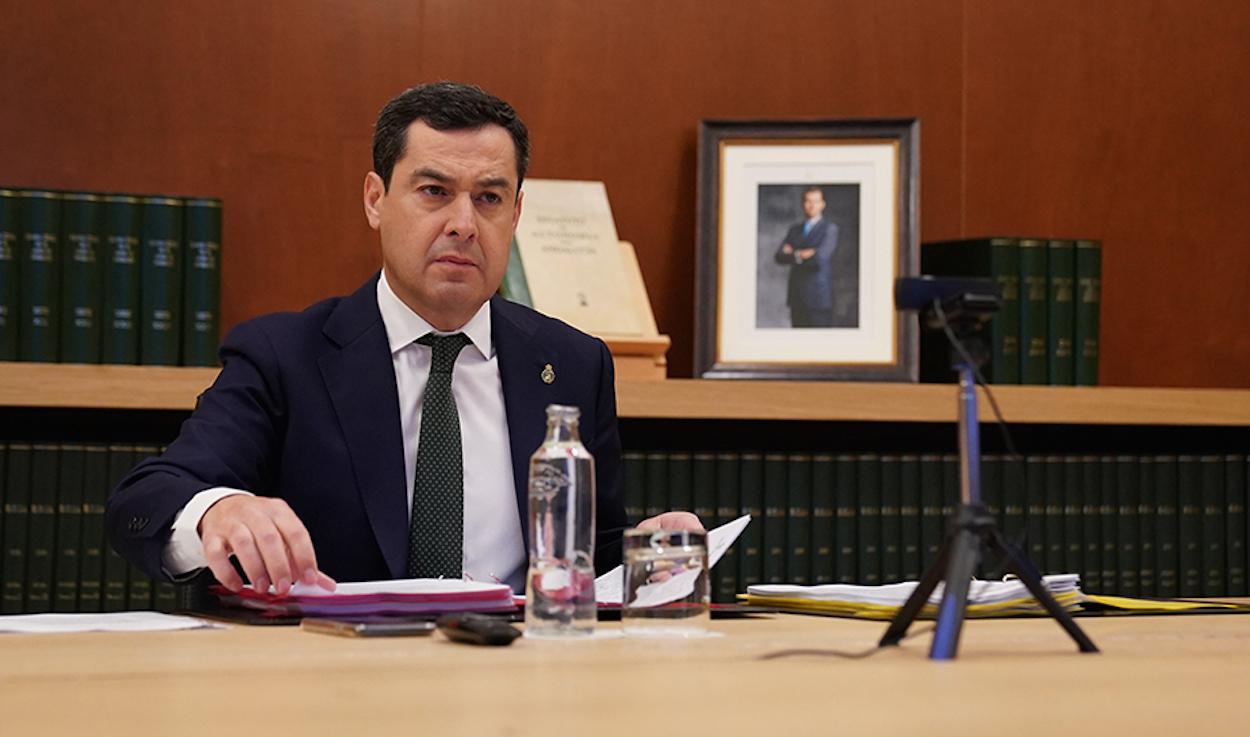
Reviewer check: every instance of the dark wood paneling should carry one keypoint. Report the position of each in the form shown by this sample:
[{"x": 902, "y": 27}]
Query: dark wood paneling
[
  {"x": 1120, "y": 120},
  {"x": 1125, "y": 121}
]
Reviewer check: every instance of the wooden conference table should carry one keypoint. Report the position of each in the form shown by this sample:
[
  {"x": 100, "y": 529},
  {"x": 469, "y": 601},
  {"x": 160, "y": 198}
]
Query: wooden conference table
[{"x": 1169, "y": 675}]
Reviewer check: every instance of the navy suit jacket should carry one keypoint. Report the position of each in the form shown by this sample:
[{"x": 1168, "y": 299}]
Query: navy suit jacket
[
  {"x": 305, "y": 409},
  {"x": 811, "y": 282}
]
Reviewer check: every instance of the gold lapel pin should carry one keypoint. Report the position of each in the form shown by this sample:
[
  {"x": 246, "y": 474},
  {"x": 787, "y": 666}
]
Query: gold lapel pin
[{"x": 548, "y": 375}]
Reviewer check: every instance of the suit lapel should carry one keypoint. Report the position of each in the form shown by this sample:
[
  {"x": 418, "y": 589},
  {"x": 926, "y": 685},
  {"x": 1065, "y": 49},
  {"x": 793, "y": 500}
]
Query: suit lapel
[
  {"x": 360, "y": 379},
  {"x": 522, "y": 356}
]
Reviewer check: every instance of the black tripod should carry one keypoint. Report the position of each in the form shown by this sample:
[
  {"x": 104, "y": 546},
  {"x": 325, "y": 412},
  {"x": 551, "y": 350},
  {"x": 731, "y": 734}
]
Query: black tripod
[{"x": 972, "y": 529}]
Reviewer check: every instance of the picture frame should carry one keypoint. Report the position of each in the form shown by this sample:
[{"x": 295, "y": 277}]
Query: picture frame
[{"x": 820, "y": 308}]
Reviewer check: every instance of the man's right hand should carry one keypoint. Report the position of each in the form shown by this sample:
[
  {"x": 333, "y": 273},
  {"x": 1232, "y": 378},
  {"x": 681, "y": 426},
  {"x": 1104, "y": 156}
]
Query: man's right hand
[{"x": 270, "y": 542}]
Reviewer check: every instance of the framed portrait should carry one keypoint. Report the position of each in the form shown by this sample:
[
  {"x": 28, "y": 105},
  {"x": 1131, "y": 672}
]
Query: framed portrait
[{"x": 803, "y": 227}]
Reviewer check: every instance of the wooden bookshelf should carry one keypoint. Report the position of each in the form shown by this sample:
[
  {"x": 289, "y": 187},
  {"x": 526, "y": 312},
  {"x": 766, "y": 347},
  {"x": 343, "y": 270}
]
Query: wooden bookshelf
[{"x": 170, "y": 388}]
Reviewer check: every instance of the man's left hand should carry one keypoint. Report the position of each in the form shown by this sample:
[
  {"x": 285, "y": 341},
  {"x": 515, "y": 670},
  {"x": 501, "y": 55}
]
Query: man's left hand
[{"x": 672, "y": 521}]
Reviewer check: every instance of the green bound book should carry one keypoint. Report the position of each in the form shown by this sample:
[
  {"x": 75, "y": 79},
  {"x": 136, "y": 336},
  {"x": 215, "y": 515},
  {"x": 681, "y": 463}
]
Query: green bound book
[
  {"x": 201, "y": 288},
  {"x": 40, "y": 277},
  {"x": 1088, "y": 307},
  {"x": 82, "y": 278},
  {"x": 1015, "y": 498},
  {"x": 116, "y": 571},
  {"x": 997, "y": 258},
  {"x": 1033, "y": 300},
  {"x": 868, "y": 518},
  {"x": 799, "y": 520},
  {"x": 1214, "y": 517},
  {"x": 951, "y": 493},
  {"x": 750, "y": 543},
  {"x": 657, "y": 484},
  {"x": 1147, "y": 527},
  {"x": 1189, "y": 540},
  {"x": 909, "y": 517},
  {"x": 1073, "y": 497},
  {"x": 891, "y": 524},
  {"x": 703, "y": 484},
  {"x": 1167, "y": 526},
  {"x": 845, "y": 525},
  {"x": 138, "y": 591},
  {"x": 932, "y": 524},
  {"x": 16, "y": 515},
  {"x": 775, "y": 500},
  {"x": 634, "y": 469},
  {"x": 10, "y": 304},
  {"x": 160, "y": 281},
  {"x": 1055, "y": 543},
  {"x": 41, "y": 530},
  {"x": 1091, "y": 524},
  {"x": 120, "y": 329},
  {"x": 164, "y": 596},
  {"x": 95, "y": 491},
  {"x": 992, "y": 500},
  {"x": 1109, "y": 533},
  {"x": 514, "y": 286},
  {"x": 1128, "y": 502},
  {"x": 728, "y": 508},
  {"x": 69, "y": 527},
  {"x": 680, "y": 489},
  {"x": 1060, "y": 312},
  {"x": 1035, "y": 510},
  {"x": 823, "y": 511},
  {"x": 1235, "y": 532}
]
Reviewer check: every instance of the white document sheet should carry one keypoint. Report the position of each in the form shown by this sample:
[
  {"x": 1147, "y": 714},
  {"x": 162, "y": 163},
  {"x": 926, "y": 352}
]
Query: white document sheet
[{"x": 107, "y": 622}]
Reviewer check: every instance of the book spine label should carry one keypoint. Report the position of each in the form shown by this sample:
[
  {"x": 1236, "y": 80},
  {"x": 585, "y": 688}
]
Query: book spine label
[
  {"x": 1088, "y": 308},
  {"x": 799, "y": 520},
  {"x": 10, "y": 305},
  {"x": 201, "y": 314},
  {"x": 1060, "y": 313},
  {"x": 1073, "y": 499},
  {"x": 116, "y": 570},
  {"x": 1128, "y": 502},
  {"x": 1033, "y": 299},
  {"x": 1109, "y": 532},
  {"x": 82, "y": 275},
  {"x": 1005, "y": 345},
  {"x": 1035, "y": 511},
  {"x": 1055, "y": 542},
  {"x": 931, "y": 521},
  {"x": 40, "y": 277},
  {"x": 160, "y": 290},
  {"x": 91, "y": 559},
  {"x": 41, "y": 533},
  {"x": 1147, "y": 527},
  {"x": 122, "y": 249},
  {"x": 868, "y": 519}
]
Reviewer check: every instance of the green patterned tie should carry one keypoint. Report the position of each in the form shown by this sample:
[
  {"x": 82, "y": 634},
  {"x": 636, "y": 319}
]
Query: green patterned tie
[{"x": 436, "y": 535}]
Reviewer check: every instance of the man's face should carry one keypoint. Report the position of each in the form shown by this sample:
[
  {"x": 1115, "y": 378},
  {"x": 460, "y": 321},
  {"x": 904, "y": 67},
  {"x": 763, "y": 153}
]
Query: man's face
[
  {"x": 813, "y": 204},
  {"x": 447, "y": 220}
]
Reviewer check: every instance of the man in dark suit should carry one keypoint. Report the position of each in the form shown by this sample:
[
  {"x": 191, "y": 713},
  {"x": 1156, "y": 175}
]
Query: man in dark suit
[
  {"x": 386, "y": 434},
  {"x": 808, "y": 251}
]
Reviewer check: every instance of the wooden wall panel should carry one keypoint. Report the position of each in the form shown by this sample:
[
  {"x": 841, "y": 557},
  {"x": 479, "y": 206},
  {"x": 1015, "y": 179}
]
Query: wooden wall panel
[{"x": 1119, "y": 120}]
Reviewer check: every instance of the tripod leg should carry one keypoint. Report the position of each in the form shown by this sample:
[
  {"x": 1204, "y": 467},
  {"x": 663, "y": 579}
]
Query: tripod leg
[
  {"x": 966, "y": 550},
  {"x": 915, "y": 602},
  {"x": 1029, "y": 576}
]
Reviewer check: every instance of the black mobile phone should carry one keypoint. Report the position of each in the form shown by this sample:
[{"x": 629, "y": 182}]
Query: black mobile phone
[{"x": 368, "y": 628}]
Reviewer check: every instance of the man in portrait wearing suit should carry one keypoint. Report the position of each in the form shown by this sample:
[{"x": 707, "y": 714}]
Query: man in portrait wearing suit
[
  {"x": 808, "y": 251},
  {"x": 386, "y": 434}
]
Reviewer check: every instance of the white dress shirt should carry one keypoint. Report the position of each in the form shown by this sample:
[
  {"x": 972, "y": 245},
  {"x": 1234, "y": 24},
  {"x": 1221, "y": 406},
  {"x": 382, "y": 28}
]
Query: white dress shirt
[{"x": 494, "y": 549}]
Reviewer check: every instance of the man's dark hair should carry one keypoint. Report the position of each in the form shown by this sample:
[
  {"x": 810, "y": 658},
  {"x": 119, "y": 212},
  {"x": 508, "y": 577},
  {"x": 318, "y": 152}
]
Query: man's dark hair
[
  {"x": 443, "y": 106},
  {"x": 814, "y": 188}
]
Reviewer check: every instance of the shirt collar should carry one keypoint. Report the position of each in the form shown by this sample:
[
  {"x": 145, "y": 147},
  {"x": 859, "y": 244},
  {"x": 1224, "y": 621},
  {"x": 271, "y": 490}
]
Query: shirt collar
[{"x": 403, "y": 326}]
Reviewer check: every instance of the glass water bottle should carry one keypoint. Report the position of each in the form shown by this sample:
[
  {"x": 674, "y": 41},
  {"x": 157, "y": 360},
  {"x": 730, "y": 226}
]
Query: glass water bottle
[{"x": 560, "y": 588}]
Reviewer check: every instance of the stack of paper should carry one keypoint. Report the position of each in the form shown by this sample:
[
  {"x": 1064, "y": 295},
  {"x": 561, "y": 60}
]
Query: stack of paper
[
  {"x": 405, "y": 596},
  {"x": 985, "y": 598}
]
